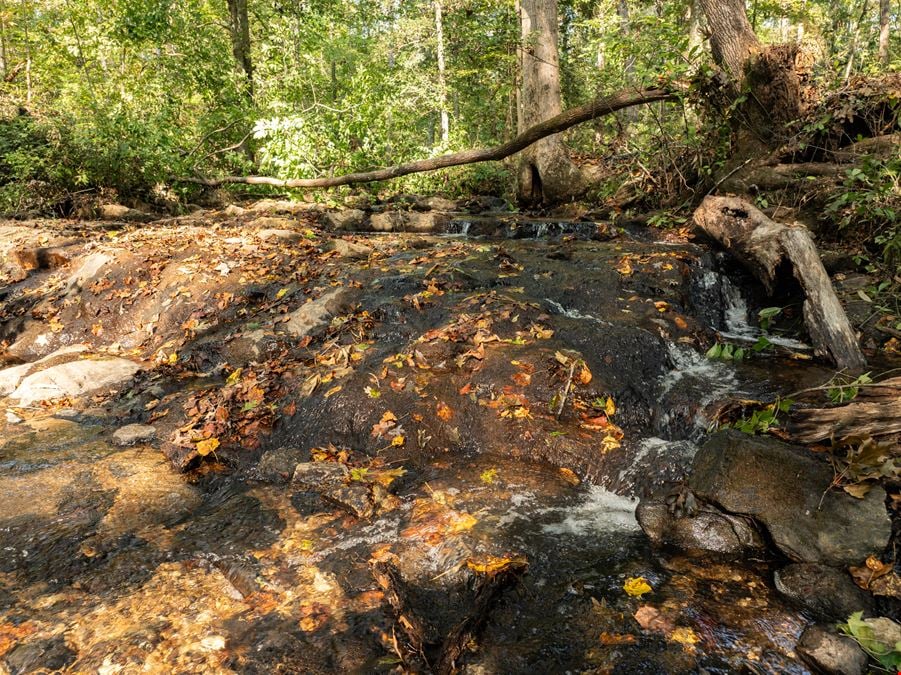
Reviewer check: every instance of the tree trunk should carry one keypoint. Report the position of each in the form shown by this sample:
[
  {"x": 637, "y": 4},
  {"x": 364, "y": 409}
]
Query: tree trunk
[
  {"x": 695, "y": 36},
  {"x": 775, "y": 79},
  {"x": 884, "y": 19},
  {"x": 546, "y": 172},
  {"x": 732, "y": 40},
  {"x": 239, "y": 29},
  {"x": 442, "y": 82}
]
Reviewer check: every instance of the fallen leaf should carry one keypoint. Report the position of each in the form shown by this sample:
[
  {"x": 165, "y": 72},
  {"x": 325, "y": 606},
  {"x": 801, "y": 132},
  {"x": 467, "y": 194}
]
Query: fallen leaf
[
  {"x": 685, "y": 636},
  {"x": 650, "y": 618},
  {"x": 616, "y": 639},
  {"x": 488, "y": 476},
  {"x": 444, "y": 412},
  {"x": 636, "y": 587},
  {"x": 569, "y": 476},
  {"x": 207, "y": 446},
  {"x": 397, "y": 441},
  {"x": 493, "y": 564}
]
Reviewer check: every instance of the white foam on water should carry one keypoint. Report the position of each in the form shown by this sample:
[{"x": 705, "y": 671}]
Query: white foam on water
[
  {"x": 600, "y": 511},
  {"x": 652, "y": 451},
  {"x": 574, "y": 313}
]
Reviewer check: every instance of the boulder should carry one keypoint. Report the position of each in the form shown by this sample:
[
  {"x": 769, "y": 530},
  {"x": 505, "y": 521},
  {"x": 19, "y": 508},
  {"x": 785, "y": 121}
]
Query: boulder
[
  {"x": 827, "y": 593},
  {"x": 10, "y": 378},
  {"x": 272, "y": 223},
  {"x": 352, "y": 498},
  {"x": 346, "y": 220},
  {"x": 316, "y": 313},
  {"x": 132, "y": 434},
  {"x": 408, "y": 221},
  {"x": 287, "y": 236},
  {"x": 709, "y": 530},
  {"x": 436, "y": 204},
  {"x": 830, "y": 653},
  {"x": 788, "y": 490},
  {"x": 73, "y": 379},
  {"x": 120, "y": 212},
  {"x": 233, "y": 210},
  {"x": 280, "y": 464},
  {"x": 316, "y": 476},
  {"x": 348, "y": 249}
]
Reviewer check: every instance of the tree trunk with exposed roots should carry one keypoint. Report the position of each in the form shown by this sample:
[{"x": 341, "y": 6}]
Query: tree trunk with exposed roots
[{"x": 547, "y": 174}]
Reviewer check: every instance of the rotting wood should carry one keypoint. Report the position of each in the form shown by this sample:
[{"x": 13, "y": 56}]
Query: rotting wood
[
  {"x": 604, "y": 105},
  {"x": 876, "y": 412},
  {"x": 762, "y": 244},
  {"x": 441, "y": 655}
]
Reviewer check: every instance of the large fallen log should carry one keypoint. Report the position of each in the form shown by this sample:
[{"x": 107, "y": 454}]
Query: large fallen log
[
  {"x": 604, "y": 105},
  {"x": 876, "y": 412},
  {"x": 762, "y": 244}
]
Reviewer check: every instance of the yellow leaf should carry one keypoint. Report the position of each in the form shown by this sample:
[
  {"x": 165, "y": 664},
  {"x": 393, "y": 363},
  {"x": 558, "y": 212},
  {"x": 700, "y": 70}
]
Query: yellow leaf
[
  {"x": 610, "y": 407},
  {"x": 206, "y": 447},
  {"x": 282, "y": 293},
  {"x": 685, "y": 636},
  {"x": 609, "y": 443},
  {"x": 635, "y": 587},
  {"x": 569, "y": 476},
  {"x": 334, "y": 390},
  {"x": 233, "y": 378},
  {"x": 492, "y": 564},
  {"x": 173, "y": 358},
  {"x": 461, "y": 523},
  {"x": 488, "y": 476},
  {"x": 397, "y": 441},
  {"x": 584, "y": 375}
]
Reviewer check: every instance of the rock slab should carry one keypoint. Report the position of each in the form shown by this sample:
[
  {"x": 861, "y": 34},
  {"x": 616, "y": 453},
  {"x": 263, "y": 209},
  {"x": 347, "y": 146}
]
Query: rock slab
[
  {"x": 74, "y": 379},
  {"x": 787, "y": 490},
  {"x": 310, "y": 316}
]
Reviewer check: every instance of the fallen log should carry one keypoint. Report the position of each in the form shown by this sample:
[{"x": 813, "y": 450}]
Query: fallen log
[
  {"x": 762, "y": 244},
  {"x": 876, "y": 412},
  {"x": 604, "y": 105}
]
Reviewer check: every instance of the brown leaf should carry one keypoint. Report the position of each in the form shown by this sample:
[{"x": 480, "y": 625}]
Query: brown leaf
[
  {"x": 650, "y": 618},
  {"x": 445, "y": 414}
]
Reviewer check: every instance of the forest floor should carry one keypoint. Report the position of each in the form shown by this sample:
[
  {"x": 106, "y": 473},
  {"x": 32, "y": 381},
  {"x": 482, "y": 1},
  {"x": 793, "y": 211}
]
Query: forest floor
[{"x": 246, "y": 440}]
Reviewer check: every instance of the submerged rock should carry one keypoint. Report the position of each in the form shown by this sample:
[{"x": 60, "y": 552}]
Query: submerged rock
[
  {"x": 317, "y": 475},
  {"x": 280, "y": 464},
  {"x": 134, "y": 433},
  {"x": 787, "y": 490},
  {"x": 74, "y": 379},
  {"x": 709, "y": 530},
  {"x": 827, "y": 593},
  {"x": 354, "y": 499},
  {"x": 830, "y": 653}
]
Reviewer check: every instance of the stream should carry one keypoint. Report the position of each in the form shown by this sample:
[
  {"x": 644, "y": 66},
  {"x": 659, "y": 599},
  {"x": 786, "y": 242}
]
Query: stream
[{"x": 113, "y": 562}]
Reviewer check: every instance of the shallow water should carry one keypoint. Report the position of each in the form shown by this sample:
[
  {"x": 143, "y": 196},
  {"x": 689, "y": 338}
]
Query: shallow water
[{"x": 115, "y": 563}]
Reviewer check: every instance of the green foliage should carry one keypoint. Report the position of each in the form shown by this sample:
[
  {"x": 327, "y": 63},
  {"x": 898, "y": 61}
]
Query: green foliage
[
  {"x": 726, "y": 352},
  {"x": 844, "y": 389},
  {"x": 880, "y": 638},
  {"x": 870, "y": 202},
  {"x": 762, "y": 419},
  {"x": 767, "y": 315}
]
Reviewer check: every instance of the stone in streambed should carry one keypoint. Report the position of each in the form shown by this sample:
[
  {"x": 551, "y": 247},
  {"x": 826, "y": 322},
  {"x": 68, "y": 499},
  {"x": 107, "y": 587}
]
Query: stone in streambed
[
  {"x": 346, "y": 220},
  {"x": 316, "y": 313},
  {"x": 354, "y": 499},
  {"x": 348, "y": 249},
  {"x": 830, "y": 653},
  {"x": 709, "y": 530},
  {"x": 827, "y": 593},
  {"x": 132, "y": 434},
  {"x": 788, "y": 491}
]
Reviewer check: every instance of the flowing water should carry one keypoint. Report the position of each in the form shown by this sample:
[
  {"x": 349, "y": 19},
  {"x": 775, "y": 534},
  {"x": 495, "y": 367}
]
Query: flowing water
[{"x": 114, "y": 563}]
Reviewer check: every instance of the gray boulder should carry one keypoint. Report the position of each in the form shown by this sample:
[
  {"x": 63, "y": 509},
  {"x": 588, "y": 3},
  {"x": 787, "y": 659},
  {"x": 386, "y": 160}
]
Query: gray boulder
[
  {"x": 827, "y": 593},
  {"x": 10, "y": 378},
  {"x": 408, "y": 221},
  {"x": 348, "y": 249},
  {"x": 132, "y": 434},
  {"x": 709, "y": 530},
  {"x": 312, "y": 315},
  {"x": 74, "y": 379},
  {"x": 287, "y": 236},
  {"x": 346, "y": 220},
  {"x": 830, "y": 653},
  {"x": 787, "y": 490}
]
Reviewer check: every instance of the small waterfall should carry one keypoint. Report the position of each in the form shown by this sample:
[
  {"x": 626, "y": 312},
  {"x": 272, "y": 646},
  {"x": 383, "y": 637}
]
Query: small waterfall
[{"x": 574, "y": 313}]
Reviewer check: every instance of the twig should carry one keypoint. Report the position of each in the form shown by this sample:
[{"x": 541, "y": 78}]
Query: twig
[{"x": 569, "y": 381}]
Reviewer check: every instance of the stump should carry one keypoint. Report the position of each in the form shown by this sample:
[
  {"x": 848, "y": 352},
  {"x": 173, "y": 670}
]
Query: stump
[{"x": 762, "y": 244}]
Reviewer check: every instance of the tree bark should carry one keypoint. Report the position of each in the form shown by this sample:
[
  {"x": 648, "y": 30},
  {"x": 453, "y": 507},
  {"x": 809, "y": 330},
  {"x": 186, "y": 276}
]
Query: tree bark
[
  {"x": 763, "y": 245},
  {"x": 732, "y": 40},
  {"x": 239, "y": 29},
  {"x": 884, "y": 21},
  {"x": 442, "y": 81},
  {"x": 569, "y": 118},
  {"x": 547, "y": 174}
]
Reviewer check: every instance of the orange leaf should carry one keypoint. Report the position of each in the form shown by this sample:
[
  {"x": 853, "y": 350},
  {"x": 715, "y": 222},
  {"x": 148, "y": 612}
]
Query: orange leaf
[{"x": 444, "y": 412}]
